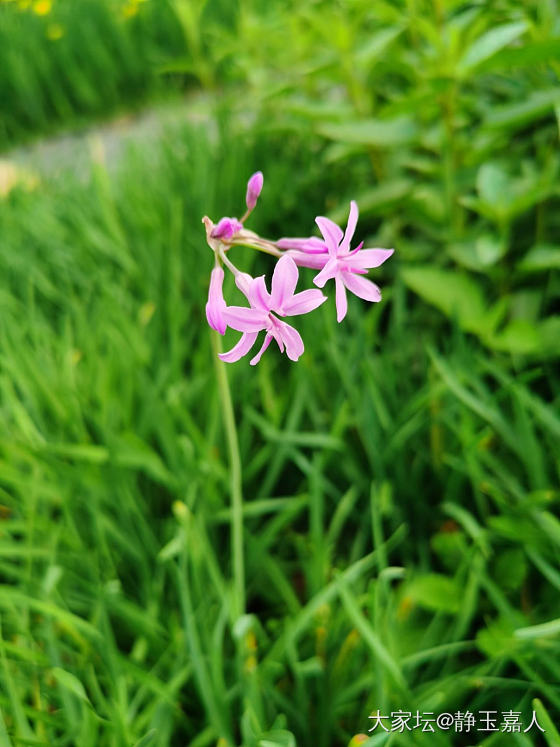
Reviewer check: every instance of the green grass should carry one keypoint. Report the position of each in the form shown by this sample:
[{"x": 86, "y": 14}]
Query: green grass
[
  {"x": 401, "y": 485},
  {"x": 72, "y": 63}
]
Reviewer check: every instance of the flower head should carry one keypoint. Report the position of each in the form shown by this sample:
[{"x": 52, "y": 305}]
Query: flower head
[
  {"x": 329, "y": 254},
  {"x": 265, "y": 308},
  {"x": 347, "y": 266},
  {"x": 254, "y": 187}
]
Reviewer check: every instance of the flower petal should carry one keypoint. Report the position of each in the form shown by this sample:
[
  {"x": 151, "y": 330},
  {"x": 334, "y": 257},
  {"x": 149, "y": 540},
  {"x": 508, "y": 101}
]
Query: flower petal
[
  {"x": 303, "y": 259},
  {"x": 331, "y": 233},
  {"x": 341, "y": 301},
  {"x": 292, "y": 340},
  {"x": 368, "y": 258},
  {"x": 266, "y": 343},
  {"x": 258, "y": 296},
  {"x": 328, "y": 272},
  {"x": 245, "y": 320},
  {"x": 304, "y": 302},
  {"x": 243, "y": 281},
  {"x": 245, "y": 344},
  {"x": 350, "y": 228},
  {"x": 284, "y": 281},
  {"x": 361, "y": 287},
  {"x": 275, "y": 332}
]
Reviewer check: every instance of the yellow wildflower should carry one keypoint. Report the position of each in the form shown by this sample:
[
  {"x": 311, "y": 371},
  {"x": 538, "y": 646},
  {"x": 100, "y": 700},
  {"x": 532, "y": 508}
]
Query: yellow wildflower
[
  {"x": 358, "y": 739},
  {"x": 12, "y": 175},
  {"x": 42, "y": 7},
  {"x": 130, "y": 9}
]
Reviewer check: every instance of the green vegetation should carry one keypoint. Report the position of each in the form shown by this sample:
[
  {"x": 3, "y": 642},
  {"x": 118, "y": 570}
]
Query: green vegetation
[
  {"x": 401, "y": 481},
  {"x": 64, "y": 62}
]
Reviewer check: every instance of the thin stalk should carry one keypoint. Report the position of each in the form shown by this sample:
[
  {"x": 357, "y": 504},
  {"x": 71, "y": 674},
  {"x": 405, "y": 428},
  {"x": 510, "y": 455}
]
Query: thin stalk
[
  {"x": 261, "y": 245},
  {"x": 236, "y": 491}
]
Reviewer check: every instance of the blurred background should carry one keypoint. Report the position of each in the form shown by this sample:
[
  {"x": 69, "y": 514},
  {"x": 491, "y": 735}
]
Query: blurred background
[{"x": 401, "y": 481}]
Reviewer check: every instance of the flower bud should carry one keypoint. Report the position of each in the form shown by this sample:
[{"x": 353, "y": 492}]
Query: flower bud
[
  {"x": 254, "y": 187},
  {"x": 216, "y": 305},
  {"x": 312, "y": 245}
]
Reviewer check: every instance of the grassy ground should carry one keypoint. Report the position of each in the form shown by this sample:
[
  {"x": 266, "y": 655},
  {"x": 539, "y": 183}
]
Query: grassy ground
[
  {"x": 64, "y": 64},
  {"x": 401, "y": 543}
]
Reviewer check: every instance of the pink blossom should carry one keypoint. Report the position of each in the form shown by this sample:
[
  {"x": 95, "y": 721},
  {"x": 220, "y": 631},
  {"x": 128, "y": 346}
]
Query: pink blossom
[
  {"x": 254, "y": 187},
  {"x": 226, "y": 228},
  {"x": 216, "y": 306},
  {"x": 346, "y": 266},
  {"x": 265, "y": 308}
]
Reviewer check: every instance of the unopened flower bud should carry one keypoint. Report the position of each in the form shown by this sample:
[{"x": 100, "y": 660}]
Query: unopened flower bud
[
  {"x": 216, "y": 306},
  {"x": 312, "y": 245},
  {"x": 254, "y": 187}
]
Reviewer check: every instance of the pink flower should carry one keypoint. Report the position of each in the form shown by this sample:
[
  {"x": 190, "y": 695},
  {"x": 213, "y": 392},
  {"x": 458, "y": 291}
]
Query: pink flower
[
  {"x": 254, "y": 187},
  {"x": 226, "y": 228},
  {"x": 264, "y": 310},
  {"x": 216, "y": 306},
  {"x": 346, "y": 266}
]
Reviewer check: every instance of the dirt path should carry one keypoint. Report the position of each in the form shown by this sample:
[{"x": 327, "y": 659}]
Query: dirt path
[{"x": 73, "y": 151}]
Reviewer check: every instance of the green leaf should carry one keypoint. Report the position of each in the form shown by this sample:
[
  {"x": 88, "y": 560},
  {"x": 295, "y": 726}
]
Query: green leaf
[
  {"x": 130, "y": 451},
  {"x": 277, "y": 738},
  {"x": 549, "y": 330},
  {"x": 490, "y": 43},
  {"x": 519, "y": 114},
  {"x": 436, "y": 592},
  {"x": 532, "y": 53},
  {"x": 479, "y": 254},
  {"x": 147, "y": 739},
  {"x": 510, "y": 568},
  {"x": 541, "y": 258},
  {"x": 544, "y": 630},
  {"x": 497, "y": 639},
  {"x": 516, "y": 529},
  {"x": 376, "y": 45},
  {"x": 492, "y": 185},
  {"x": 80, "y": 452},
  {"x": 450, "y": 547},
  {"x": 452, "y": 292},
  {"x": 380, "y": 133},
  {"x": 71, "y": 683},
  {"x": 523, "y": 337},
  {"x": 551, "y": 735},
  {"x": 375, "y": 200}
]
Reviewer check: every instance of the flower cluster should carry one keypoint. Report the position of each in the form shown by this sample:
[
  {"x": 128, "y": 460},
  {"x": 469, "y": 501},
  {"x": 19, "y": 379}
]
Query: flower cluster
[{"x": 331, "y": 255}]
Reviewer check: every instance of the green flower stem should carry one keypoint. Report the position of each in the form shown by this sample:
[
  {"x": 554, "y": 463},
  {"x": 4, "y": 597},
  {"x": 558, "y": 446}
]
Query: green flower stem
[{"x": 236, "y": 491}]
